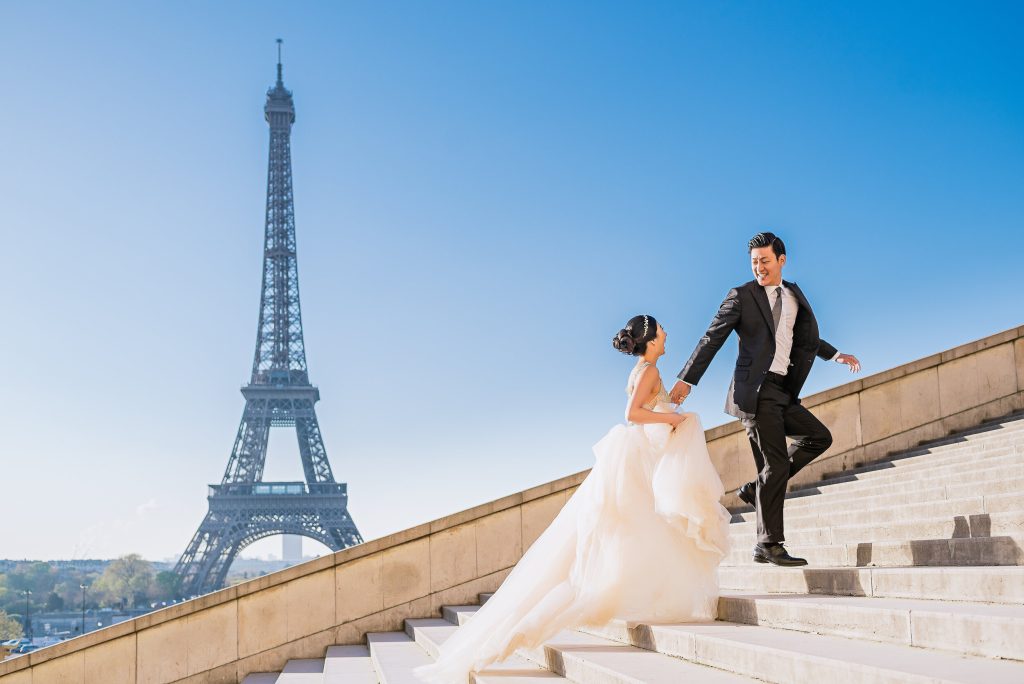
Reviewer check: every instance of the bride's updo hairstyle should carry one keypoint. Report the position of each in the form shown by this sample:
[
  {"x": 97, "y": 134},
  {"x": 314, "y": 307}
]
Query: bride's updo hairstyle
[{"x": 634, "y": 337}]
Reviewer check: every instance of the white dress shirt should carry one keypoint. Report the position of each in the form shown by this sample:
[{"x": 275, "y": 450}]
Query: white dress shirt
[{"x": 784, "y": 333}]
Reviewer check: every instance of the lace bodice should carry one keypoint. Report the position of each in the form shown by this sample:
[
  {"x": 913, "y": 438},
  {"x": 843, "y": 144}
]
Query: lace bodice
[{"x": 659, "y": 397}]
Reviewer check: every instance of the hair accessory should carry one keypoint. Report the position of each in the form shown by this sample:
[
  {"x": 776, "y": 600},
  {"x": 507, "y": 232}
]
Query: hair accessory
[{"x": 645, "y": 328}]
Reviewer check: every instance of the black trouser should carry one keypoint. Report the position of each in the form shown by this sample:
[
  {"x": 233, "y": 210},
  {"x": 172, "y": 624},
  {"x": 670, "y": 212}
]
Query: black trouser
[{"x": 778, "y": 415}]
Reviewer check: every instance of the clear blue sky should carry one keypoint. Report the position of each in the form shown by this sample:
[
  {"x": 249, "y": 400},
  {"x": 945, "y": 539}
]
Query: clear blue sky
[{"x": 484, "y": 192}]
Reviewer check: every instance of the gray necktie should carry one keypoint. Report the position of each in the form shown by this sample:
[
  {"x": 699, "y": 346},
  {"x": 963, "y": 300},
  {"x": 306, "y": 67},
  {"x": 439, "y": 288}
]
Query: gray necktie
[{"x": 777, "y": 308}]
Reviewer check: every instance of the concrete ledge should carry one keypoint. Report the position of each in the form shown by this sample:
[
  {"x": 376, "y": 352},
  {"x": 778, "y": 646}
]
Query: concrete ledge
[{"x": 337, "y": 599}]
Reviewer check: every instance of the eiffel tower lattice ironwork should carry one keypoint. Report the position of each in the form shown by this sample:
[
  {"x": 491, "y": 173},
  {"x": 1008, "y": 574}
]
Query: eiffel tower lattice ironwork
[{"x": 244, "y": 508}]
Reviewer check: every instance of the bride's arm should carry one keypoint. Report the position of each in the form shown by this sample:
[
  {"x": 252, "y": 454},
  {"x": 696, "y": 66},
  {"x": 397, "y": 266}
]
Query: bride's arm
[{"x": 636, "y": 413}]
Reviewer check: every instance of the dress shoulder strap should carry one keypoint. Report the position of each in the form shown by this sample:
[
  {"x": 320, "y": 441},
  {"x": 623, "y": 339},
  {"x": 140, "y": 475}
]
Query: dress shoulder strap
[{"x": 634, "y": 376}]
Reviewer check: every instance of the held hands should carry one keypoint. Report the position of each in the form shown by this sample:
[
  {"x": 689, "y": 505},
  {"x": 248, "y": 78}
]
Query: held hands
[
  {"x": 850, "y": 360},
  {"x": 679, "y": 392}
]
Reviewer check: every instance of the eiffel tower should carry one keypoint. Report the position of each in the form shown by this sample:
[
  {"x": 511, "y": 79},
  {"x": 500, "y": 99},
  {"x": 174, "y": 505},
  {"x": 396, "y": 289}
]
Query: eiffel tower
[{"x": 244, "y": 508}]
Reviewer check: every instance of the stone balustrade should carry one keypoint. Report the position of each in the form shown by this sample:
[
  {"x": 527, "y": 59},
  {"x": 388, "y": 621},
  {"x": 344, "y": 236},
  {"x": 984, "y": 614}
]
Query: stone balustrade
[{"x": 297, "y": 613}]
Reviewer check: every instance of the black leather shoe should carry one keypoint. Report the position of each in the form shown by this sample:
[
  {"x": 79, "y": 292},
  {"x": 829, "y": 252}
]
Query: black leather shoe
[
  {"x": 776, "y": 554},
  {"x": 748, "y": 494}
]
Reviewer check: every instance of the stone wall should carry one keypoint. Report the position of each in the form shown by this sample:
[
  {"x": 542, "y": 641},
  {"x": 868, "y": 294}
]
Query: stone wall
[{"x": 297, "y": 613}]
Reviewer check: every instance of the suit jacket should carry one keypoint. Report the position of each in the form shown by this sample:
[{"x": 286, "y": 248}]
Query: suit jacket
[{"x": 746, "y": 310}]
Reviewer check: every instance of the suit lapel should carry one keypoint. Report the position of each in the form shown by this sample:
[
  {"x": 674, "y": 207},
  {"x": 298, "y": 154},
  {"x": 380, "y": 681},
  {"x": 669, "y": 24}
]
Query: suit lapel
[
  {"x": 761, "y": 297},
  {"x": 799, "y": 295}
]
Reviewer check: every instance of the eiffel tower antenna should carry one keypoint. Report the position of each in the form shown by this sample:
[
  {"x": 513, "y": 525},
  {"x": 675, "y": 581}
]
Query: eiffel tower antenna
[
  {"x": 244, "y": 508},
  {"x": 280, "y": 81}
]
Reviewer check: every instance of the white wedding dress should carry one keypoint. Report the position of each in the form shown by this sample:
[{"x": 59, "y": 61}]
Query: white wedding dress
[{"x": 641, "y": 539}]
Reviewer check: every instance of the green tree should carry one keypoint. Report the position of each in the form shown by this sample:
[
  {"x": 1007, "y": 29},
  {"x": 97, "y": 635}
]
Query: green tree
[
  {"x": 37, "y": 577},
  {"x": 54, "y": 602},
  {"x": 9, "y": 627},
  {"x": 124, "y": 581},
  {"x": 69, "y": 593},
  {"x": 70, "y": 590},
  {"x": 166, "y": 586},
  {"x": 42, "y": 578}
]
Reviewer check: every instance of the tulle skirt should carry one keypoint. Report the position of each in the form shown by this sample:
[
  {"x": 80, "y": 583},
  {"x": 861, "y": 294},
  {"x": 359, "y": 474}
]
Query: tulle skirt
[{"x": 641, "y": 539}]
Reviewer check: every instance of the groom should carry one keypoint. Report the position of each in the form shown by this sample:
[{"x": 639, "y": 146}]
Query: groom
[{"x": 778, "y": 337}]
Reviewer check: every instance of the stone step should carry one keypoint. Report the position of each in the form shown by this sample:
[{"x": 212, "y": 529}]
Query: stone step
[
  {"x": 925, "y": 453},
  {"x": 394, "y": 656},
  {"x": 807, "y": 495},
  {"x": 911, "y": 462},
  {"x": 498, "y": 673},
  {"x": 261, "y": 678},
  {"x": 992, "y": 487},
  {"x": 977, "y": 584},
  {"x": 349, "y": 665},
  {"x": 995, "y": 426},
  {"x": 948, "y": 527},
  {"x": 457, "y": 615},
  {"x": 910, "y": 508},
  {"x": 1002, "y": 468},
  {"x": 431, "y": 633},
  {"x": 892, "y": 496},
  {"x": 578, "y": 657},
  {"x": 515, "y": 674},
  {"x": 980, "y": 629},
  {"x": 1003, "y": 480},
  {"x": 305, "y": 671},
  {"x": 905, "y": 505},
  {"x": 785, "y": 656},
  {"x": 588, "y": 658},
  {"x": 1009, "y": 434},
  {"x": 1009, "y": 426},
  {"x": 920, "y": 465},
  {"x": 967, "y": 551}
]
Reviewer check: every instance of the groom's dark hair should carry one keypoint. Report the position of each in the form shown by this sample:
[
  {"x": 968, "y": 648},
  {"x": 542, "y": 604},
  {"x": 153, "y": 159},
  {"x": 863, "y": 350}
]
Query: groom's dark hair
[{"x": 765, "y": 240}]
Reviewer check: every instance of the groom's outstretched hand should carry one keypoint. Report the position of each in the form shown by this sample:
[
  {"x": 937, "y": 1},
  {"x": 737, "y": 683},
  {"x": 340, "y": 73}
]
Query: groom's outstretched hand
[
  {"x": 850, "y": 360},
  {"x": 679, "y": 392}
]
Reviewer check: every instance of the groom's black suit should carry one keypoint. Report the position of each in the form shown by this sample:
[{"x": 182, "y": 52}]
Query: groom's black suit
[{"x": 767, "y": 403}]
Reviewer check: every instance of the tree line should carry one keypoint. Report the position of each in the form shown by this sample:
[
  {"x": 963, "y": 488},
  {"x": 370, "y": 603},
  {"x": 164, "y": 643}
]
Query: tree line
[{"x": 125, "y": 583}]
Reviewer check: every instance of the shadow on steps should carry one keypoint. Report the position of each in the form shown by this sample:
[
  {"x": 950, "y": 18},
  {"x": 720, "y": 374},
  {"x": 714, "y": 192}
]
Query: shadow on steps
[{"x": 957, "y": 550}]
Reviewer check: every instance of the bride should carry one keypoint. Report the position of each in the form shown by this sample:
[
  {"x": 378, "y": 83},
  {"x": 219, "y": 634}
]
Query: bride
[{"x": 641, "y": 539}]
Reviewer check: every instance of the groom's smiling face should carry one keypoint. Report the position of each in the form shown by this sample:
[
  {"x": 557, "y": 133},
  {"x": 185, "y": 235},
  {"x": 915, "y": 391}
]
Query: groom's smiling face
[{"x": 766, "y": 266}]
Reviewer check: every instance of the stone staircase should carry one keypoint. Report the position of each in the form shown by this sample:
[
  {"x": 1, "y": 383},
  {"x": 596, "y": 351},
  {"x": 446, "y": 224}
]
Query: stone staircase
[{"x": 916, "y": 575}]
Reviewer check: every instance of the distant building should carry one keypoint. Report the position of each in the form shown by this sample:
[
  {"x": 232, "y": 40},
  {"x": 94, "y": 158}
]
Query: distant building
[
  {"x": 84, "y": 564},
  {"x": 291, "y": 548}
]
